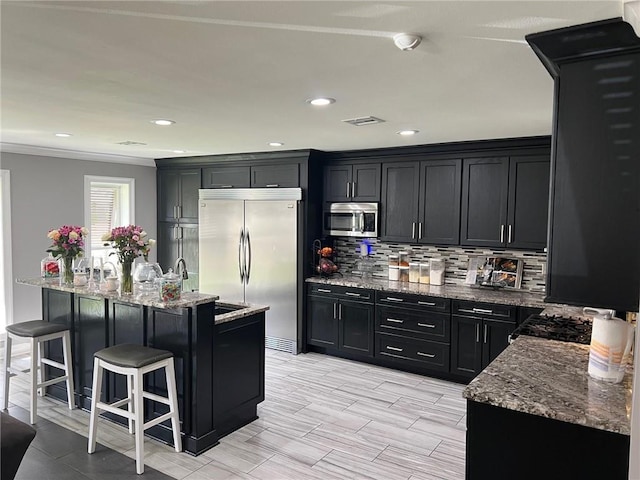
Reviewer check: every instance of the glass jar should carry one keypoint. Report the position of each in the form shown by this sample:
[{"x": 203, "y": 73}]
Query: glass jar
[
  {"x": 436, "y": 271},
  {"x": 404, "y": 274},
  {"x": 170, "y": 286},
  {"x": 424, "y": 274},
  {"x": 145, "y": 278},
  {"x": 393, "y": 260},
  {"x": 414, "y": 272},
  {"x": 394, "y": 273},
  {"x": 404, "y": 258},
  {"x": 50, "y": 267}
]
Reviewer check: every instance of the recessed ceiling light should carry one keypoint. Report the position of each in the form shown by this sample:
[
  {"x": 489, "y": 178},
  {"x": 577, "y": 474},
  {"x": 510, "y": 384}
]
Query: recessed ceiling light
[
  {"x": 322, "y": 101},
  {"x": 276, "y": 144},
  {"x": 407, "y": 133},
  {"x": 179, "y": 151},
  {"x": 163, "y": 122},
  {"x": 63, "y": 135}
]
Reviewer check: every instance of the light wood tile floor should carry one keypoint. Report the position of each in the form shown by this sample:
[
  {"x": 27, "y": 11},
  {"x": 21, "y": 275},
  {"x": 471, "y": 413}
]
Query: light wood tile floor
[{"x": 323, "y": 418}]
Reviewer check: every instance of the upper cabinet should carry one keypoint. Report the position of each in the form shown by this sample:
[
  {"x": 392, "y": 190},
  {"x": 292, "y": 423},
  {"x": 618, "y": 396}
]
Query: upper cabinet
[
  {"x": 421, "y": 201},
  {"x": 359, "y": 182},
  {"x": 178, "y": 195},
  {"x": 254, "y": 176},
  {"x": 225, "y": 177},
  {"x": 505, "y": 201}
]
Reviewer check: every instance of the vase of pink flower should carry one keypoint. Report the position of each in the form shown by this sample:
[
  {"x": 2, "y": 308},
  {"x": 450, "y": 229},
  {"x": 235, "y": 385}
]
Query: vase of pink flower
[
  {"x": 68, "y": 244},
  {"x": 129, "y": 242}
]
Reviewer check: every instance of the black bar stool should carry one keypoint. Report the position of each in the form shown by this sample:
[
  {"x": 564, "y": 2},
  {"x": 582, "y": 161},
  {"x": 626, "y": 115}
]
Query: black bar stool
[
  {"x": 38, "y": 332},
  {"x": 134, "y": 361}
]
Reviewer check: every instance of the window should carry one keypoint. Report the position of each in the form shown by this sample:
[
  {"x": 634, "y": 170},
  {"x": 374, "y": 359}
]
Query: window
[
  {"x": 108, "y": 204},
  {"x": 6, "y": 284}
]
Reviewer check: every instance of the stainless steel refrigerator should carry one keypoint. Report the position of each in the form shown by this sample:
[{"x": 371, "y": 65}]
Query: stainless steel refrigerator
[{"x": 248, "y": 241}]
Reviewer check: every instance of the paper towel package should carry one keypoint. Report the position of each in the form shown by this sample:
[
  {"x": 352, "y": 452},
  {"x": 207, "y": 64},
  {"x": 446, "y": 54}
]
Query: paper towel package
[{"x": 611, "y": 340}]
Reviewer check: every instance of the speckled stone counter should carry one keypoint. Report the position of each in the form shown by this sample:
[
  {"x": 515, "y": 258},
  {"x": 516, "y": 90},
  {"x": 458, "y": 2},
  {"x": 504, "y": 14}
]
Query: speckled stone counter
[
  {"x": 244, "y": 310},
  {"x": 549, "y": 378},
  {"x": 187, "y": 299},
  {"x": 459, "y": 292}
]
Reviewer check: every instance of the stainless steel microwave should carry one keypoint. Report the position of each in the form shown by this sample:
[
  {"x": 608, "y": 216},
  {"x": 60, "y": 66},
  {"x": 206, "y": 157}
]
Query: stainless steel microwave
[{"x": 351, "y": 219}]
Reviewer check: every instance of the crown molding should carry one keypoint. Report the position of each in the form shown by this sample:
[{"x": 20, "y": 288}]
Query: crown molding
[{"x": 75, "y": 154}]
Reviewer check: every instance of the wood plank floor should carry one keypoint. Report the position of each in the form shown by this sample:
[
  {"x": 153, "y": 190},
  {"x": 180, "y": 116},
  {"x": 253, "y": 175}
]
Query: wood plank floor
[{"x": 323, "y": 418}]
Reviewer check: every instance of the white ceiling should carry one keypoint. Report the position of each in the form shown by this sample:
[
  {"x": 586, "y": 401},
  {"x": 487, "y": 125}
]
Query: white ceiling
[{"x": 235, "y": 75}]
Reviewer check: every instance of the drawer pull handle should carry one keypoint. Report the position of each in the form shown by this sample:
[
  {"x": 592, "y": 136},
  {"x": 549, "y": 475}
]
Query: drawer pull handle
[
  {"x": 428, "y": 325},
  {"x": 324, "y": 290},
  {"x": 394, "y": 299},
  {"x": 428, "y": 355},
  {"x": 225, "y": 186},
  {"x": 273, "y": 185},
  {"x": 352, "y": 294},
  {"x": 395, "y": 349},
  {"x": 482, "y": 310},
  {"x": 431, "y": 304},
  {"x": 394, "y": 320}
]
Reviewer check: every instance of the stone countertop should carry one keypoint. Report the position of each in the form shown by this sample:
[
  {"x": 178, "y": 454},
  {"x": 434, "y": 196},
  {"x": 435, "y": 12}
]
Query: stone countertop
[
  {"x": 549, "y": 378},
  {"x": 244, "y": 310},
  {"x": 187, "y": 299},
  {"x": 459, "y": 292}
]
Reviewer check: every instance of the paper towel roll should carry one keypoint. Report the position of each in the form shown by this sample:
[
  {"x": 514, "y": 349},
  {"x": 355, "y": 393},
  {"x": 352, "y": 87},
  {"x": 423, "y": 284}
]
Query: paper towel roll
[{"x": 611, "y": 340}]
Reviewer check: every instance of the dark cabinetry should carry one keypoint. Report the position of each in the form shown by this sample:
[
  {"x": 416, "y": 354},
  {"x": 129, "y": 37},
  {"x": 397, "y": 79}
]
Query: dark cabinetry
[
  {"x": 479, "y": 333},
  {"x": 178, "y": 195},
  {"x": 254, "y": 176},
  {"x": 505, "y": 201},
  {"x": 340, "y": 318},
  {"x": 421, "y": 201},
  {"x": 175, "y": 241},
  {"x": 352, "y": 183}
]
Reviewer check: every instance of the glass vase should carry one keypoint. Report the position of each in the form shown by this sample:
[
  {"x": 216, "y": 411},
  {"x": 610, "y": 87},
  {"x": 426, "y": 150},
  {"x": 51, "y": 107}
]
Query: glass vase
[
  {"x": 67, "y": 270},
  {"x": 126, "y": 282}
]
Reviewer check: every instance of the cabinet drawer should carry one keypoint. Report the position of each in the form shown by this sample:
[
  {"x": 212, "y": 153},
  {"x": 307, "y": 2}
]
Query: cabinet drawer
[
  {"x": 431, "y": 355},
  {"x": 338, "y": 291},
  {"x": 485, "y": 310},
  {"x": 423, "y": 302},
  {"x": 422, "y": 325}
]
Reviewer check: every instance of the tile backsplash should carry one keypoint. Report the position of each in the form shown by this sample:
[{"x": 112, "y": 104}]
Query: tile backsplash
[{"x": 456, "y": 259}]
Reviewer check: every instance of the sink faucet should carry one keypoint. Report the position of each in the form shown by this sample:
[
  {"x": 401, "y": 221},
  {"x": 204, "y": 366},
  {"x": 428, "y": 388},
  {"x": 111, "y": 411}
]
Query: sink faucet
[{"x": 181, "y": 268}]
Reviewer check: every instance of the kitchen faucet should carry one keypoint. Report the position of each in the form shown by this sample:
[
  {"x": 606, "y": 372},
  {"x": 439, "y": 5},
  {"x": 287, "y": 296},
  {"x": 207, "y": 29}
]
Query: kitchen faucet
[{"x": 181, "y": 268}]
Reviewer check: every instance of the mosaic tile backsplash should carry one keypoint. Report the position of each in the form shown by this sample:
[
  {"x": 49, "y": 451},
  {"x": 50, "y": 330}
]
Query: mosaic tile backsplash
[{"x": 456, "y": 260}]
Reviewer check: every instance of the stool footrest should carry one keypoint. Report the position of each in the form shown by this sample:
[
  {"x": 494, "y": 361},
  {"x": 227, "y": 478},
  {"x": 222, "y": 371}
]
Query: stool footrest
[
  {"x": 119, "y": 403},
  {"x": 157, "y": 398},
  {"x": 158, "y": 420},
  {"x": 52, "y": 363},
  {"x": 115, "y": 410},
  {"x": 53, "y": 381}
]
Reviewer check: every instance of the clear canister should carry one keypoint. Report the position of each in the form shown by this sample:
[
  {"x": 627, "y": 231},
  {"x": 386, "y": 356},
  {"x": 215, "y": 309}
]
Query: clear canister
[
  {"x": 424, "y": 273},
  {"x": 436, "y": 271},
  {"x": 393, "y": 260},
  {"x": 414, "y": 272},
  {"x": 170, "y": 286},
  {"x": 404, "y": 258},
  {"x": 394, "y": 273},
  {"x": 404, "y": 274}
]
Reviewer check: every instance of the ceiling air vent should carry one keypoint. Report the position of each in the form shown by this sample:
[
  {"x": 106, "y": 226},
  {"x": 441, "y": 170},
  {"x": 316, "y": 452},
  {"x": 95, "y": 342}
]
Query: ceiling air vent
[
  {"x": 130, "y": 143},
  {"x": 361, "y": 121}
]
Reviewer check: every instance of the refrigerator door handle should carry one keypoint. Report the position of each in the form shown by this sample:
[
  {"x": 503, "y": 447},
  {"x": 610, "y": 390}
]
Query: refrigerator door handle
[
  {"x": 241, "y": 256},
  {"x": 248, "y": 263}
]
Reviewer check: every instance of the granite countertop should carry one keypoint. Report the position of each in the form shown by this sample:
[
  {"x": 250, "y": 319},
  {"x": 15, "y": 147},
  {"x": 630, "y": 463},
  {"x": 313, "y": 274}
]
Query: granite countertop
[
  {"x": 187, "y": 299},
  {"x": 459, "y": 292},
  {"x": 244, "y": 310},
  {"x": 549, "y": 378}
]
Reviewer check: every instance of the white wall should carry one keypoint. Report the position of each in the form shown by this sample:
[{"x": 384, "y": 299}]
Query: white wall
[{"x": 47, "y": 192}]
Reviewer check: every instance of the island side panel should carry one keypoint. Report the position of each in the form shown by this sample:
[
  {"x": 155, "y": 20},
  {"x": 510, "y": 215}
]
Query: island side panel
[{"x": 506, "y": 444}]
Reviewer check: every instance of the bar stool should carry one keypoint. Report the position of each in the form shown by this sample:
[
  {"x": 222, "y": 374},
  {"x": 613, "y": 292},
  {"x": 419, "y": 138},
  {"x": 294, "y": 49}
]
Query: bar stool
[
  {"x": 134, "y": 361},
  {"x": 38, "y": 332}
]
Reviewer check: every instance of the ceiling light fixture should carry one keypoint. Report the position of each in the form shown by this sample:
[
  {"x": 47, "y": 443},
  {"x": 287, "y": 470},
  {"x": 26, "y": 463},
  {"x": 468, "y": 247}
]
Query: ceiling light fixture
[
  {"x": 163, "y": 122},
  {"x": 275, "y": 144},
  {"x": 321, "y": 101},
  {"x": 407, "y": 133},
  {"x": 65, "y": 135},
  {"x": 407, "y": 41}
]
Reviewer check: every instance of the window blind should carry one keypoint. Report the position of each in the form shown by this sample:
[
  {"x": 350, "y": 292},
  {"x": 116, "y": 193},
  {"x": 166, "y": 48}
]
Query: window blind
[{"x": 104, "y": 204}]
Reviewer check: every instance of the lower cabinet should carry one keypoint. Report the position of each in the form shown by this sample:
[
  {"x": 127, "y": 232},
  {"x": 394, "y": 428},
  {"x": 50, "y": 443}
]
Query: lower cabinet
[
  {"x": 338, "y": 323},
  {"x": 479, "y": 333}
]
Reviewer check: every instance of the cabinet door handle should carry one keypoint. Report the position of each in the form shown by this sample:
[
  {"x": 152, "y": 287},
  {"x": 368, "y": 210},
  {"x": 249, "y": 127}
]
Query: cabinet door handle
[
  {"x": 428, "y": 325},
  {"x": 323, "y": 290},
  {"x": 428, "y": 355},
  {"x": 430, "y": 304},
  {"x": 175, "y": 211},
  {"x": 419, "y": 230},
  {"x": 485, "y": 333},
  {"x": 509, "y": 234},
  {"x": 482, "y": 310},
  {"x": 413, "y": 230},
  {"x": 351, "y": 294},
  {"x": 353, "y": 189},
  {"x": 395, "y": 349},
  {"x": 272, "y": 185},
  {"x": 339, "y": 311},
  {"x": 334, "y": 310},
  {"x": 348, "y": 184},
  {"x": 477, "y": 333},
  {"x": 394, "y": 299},
  {"x": 501, "y": 233},
  {"x": 179, "y": 208},
  {"x": 394, "y": 320},
  {"x": 224, "y": 186}
]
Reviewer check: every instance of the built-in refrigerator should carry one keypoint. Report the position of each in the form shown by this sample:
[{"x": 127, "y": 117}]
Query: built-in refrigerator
[{"x": 248, "y": 243}]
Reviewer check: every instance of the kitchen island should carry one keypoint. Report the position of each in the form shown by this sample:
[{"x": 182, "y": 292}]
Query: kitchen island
[
  {"x": 218, "y": 350},
  {"x": 534, "y": 413}
]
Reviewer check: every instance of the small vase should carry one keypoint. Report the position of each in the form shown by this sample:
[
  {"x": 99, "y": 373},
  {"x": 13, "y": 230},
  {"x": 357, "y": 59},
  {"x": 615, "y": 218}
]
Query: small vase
[
  {"x": 67, "y": 270},
  {"x": 127, "y": 278}
]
